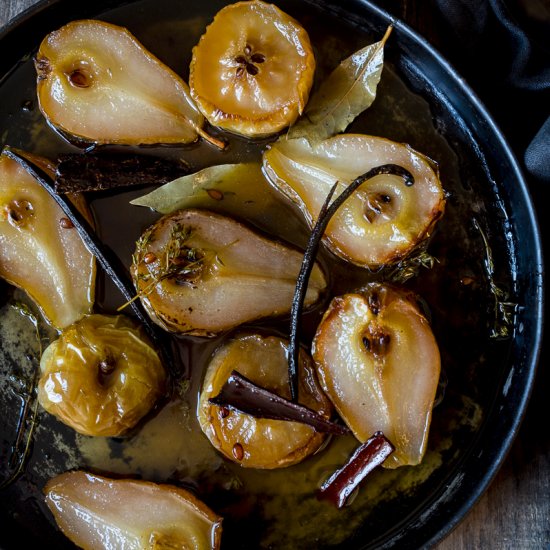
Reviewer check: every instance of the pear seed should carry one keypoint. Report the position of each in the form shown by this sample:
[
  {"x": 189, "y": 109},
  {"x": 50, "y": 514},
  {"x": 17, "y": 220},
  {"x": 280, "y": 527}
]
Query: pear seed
[
  {"x": 258, "y": 58},
  {"x": 65, "y": 223},
  {"x": 238, "y": 451},
  {"x": 252, "y": 69},
  {"x": 79, "y": 79}
]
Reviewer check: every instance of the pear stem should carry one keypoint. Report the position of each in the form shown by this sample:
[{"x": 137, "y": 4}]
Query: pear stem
[{"x": 220, "y": 144}]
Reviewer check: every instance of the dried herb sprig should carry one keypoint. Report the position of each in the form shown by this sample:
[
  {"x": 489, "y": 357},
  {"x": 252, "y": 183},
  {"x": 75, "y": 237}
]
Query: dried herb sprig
[
  {"x": 410, "y": 267},
  {"x": 327, "y": 212},
  {"x": 179, "y": 261},
  {"x": 503, "y": 309}
]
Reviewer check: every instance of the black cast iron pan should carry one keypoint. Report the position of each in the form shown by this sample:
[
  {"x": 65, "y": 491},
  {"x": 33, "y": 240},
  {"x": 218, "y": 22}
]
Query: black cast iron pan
[{"x": 421, "y": 101}]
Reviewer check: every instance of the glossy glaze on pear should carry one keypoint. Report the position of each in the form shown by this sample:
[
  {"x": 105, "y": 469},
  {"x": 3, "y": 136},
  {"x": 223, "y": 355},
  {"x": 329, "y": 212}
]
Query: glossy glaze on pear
[
  {"x": 252, "y": 70},
  {"x": 96, "y": 512},
  {"x": 101, "y": 376},
  {"x": 384, "y": 220},
  {"x": 97, "y": 84},
  {"x": 40, "y": 251},
  {"x": 260, "y": 442},
  {"x": 202, "y": 273},
  {"x": 379, "y": 363}
]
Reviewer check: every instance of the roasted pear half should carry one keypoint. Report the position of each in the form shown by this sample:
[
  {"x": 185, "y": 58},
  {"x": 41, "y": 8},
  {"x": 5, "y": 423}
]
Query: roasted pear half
[
  {"x": 259, "y": 442},
  {"x": 96, "y": 512},
  {"x": 201, "y": 273},
  {"x": 384, "y": 220},
  {"x": 252, "y": 70},
  {"x": 98, "y": 84},
  {"x": 101, "y": 376},
  {"x": 40, "y": 251},
  {"x": 379, "y": 363}
]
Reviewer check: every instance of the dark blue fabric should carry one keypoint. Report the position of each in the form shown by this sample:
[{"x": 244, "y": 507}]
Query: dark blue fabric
[
  {"x": 503, "y": 51},
  {"x": 537, "y": 154}
]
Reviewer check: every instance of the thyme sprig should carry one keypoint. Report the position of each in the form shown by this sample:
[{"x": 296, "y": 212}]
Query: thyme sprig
[
  {"x": 503, "y": 309},
  {"x": 411, "y": 266},
  {"x": 178, "y": 261}
]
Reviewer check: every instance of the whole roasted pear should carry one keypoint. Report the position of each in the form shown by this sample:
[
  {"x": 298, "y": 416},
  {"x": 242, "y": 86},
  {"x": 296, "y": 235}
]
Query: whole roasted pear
[{"x": 101, "y": 376}]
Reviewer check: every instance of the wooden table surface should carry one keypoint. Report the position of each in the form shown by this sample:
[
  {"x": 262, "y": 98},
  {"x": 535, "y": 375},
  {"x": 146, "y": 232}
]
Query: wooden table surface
[{"x": 514, "y": 513}]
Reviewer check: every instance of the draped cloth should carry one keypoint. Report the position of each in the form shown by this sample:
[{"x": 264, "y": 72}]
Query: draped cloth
[{"x": 502, "y": 48}]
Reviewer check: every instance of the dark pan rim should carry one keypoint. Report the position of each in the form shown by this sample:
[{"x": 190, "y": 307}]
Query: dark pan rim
[{"x": 468, "y": 481}]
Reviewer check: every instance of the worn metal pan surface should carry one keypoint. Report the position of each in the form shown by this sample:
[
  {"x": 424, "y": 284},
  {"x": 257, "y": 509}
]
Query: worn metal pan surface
[{"x": 488, "y": 239}]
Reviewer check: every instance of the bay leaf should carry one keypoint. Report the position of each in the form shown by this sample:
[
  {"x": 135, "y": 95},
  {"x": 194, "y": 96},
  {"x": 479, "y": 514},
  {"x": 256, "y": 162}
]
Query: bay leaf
[
  {"x": 238, "y": 190},
  {"x": 347, "y": 92},
  {"x": 183, "y": 192}
]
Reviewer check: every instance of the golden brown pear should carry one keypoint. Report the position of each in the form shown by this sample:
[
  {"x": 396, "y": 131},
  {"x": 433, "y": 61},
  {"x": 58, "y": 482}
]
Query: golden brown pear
[
  {"x": 98, "y": 513},
  {"x": 379, "y": 363},
  {"x": 202, "y": 273},
  {"x": 40, "y": 250},
  {"x": 252, "y": 69},
  {"x": 98, "y": 84},
  {"x": 384, "y": 220},
  {"x": 101, "y": 376},
  {"x": 259, "y": 442}
]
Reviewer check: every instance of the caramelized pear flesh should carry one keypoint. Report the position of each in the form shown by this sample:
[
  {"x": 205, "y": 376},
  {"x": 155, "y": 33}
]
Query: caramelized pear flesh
[
  {"x": 259, "y": 442},
  {"x": 96, "y": 512},
  {"x": 252, "y": 69},
  {"x": 98, "y": 84},
  {"x": 40, "y": 251},
  {"x": 101, "y": 376},
  {"x": 379, "y": 363},
  {"x": 384, "y": 220},
  {"x": 201, "y": 273}
]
